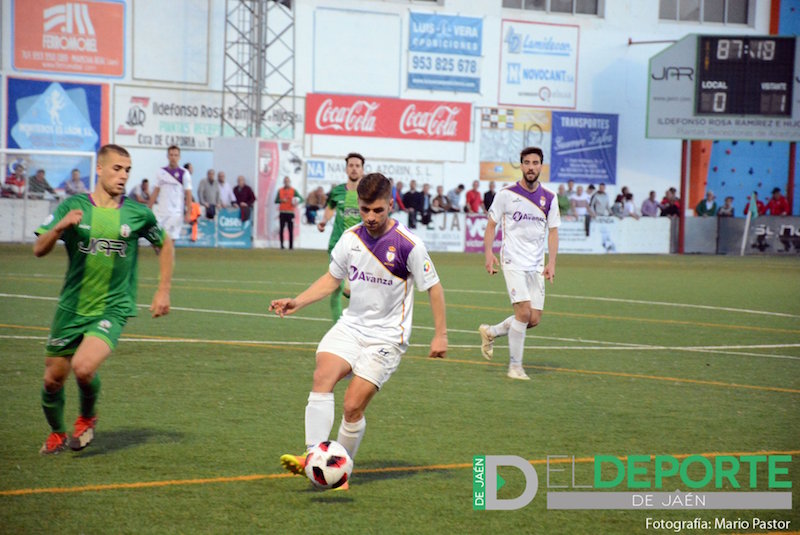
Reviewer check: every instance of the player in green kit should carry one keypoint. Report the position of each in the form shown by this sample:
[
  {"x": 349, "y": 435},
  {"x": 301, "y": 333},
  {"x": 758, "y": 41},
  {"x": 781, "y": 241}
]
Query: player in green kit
[
  {"x": 343, "y": 202},
  {"x": 101, "y": 231}
]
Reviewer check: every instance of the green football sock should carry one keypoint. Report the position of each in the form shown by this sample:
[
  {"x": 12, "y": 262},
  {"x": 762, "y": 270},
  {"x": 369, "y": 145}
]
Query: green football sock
[
  {"x": 336, "y": 304},
  {"x": 89, "y": 393},
  {"x": 53, "y": 407}
]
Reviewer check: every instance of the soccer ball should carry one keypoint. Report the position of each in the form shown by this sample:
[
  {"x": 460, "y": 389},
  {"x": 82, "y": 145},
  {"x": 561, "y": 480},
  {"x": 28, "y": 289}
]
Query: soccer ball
[{"x": 328, "y": 465}]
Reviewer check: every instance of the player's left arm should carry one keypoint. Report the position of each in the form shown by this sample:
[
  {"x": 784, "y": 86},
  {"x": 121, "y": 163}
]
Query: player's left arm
[
  {"x": 439, "y": 342},
  {"x": 549, "y": 272},
  {"x": 166, "y": 262}
]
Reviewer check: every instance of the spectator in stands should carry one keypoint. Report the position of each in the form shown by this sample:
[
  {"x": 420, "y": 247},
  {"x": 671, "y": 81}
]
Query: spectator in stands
[
  {"x": 760, "y": 207},
  {"x": 412, "y": 200},
  {"x": 397, "y": 193},
  {"x": 245, "y": 198},
  {"x": 570, "y": 189},
  {"x": 726, "y": 210},
  {"x": 38, "y": 186},
  {"x": 454, "y": 198},
  {"x": 628, "y": 207},
  {"x": 618, "y": 208},
  {"x": 564, "y": 206},
  {"x": 600, "y": 204},
  {"x": 670, "y": 204},
  {"x": 287, "y": 198},
  {"x": 440, "y": 203},
  {"x": 707, "y": 207},
  {"x": 580, "y": 202},
  {"x": 14, "y": 185},
  {"x": 777, "y": 205},
  {"x": 425, "y": 215},
  {"x": 314, "y": 203},
  {"x": 226, "y": 196},
  {"x": 189, "y": 167},
  {"x": 208, "y": 194},
  {"x": 488, "y": 197},
  {"x": 650, "y": 206},
  {"x": 141, "y": 193},
  {"x": 474, "y": 200},
  {"x": 75, "y": 184}
]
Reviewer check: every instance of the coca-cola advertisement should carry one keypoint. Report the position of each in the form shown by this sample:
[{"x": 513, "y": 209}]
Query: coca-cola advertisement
[{"x": 348, "y": 115}]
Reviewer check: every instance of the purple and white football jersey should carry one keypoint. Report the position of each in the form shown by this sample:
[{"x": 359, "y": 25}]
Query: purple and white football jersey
[
  {"x": 382, "y": 273},
  {"x": 171, "y": 183},
  {"x": 525, "y": 218}
]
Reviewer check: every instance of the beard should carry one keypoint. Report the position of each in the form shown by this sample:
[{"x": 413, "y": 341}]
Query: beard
[{"x": 528, "y": 180}]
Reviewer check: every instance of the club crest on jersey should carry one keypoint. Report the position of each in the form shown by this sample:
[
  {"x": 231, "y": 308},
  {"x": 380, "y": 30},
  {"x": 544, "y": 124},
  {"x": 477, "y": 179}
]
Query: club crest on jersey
[
  {"x": 542, "y": 201},
  {"x": 124, "y": 231},
  {"x": 390, "y": 254},
  {"x": 104, "y": 325}
]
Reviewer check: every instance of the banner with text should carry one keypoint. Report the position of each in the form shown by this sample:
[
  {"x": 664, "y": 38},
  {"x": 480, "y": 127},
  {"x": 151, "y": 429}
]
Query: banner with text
[
  {"x": 538, "y": 64},
  {"x": 348, "y": 115},
  {"x": 584, "y": 148},
  {"x": 69, "y": 37},
  {"x": 329, "y": 171},
  {"x": 444, "y": 52}
]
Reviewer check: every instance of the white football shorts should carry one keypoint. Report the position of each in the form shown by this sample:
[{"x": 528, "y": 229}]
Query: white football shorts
[
  {"x": 525, "y": 286},
  {"x": 370, "y": 359},
  {"x": 172, "y": 224}
]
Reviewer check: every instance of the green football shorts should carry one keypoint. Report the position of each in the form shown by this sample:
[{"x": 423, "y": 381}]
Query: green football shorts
[{"x": 68, "y": 330}]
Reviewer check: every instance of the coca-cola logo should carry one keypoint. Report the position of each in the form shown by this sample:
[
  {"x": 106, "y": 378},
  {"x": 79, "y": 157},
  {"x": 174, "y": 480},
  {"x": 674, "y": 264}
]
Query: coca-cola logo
[
  {"x": 437, "y": 123},
  {"x": 358, "y": 117}
]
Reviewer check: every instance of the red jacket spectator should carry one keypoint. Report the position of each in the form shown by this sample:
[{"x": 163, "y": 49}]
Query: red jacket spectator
[
  {"x": 759, "y": 207},
  {"x": 777, "y": 205}
]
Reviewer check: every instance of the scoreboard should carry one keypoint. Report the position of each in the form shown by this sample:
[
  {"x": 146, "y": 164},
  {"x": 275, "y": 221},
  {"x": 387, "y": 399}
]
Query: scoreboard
[
  {"x": 745, "y": 75},
  {"x": 726, "y": 87}
]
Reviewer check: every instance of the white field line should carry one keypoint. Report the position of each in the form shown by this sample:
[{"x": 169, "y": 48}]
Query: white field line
[
  {"x": 485, "y": 292},
  {"x": 698, "y": 349}
]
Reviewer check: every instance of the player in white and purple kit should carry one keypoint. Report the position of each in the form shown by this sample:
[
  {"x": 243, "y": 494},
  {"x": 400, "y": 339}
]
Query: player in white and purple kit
[
  {"x": 171, "y": 199},
  {"x": 529, "y": 215},
  {"x": 383, "y": 262}
]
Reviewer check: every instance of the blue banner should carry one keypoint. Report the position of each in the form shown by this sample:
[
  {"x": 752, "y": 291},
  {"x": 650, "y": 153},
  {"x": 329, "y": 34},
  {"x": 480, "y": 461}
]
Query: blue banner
[
  {"x": 232, "y": 231},
  {"x": 444, "y": 52},
  {"x": 206, "y": 234},
  {"x": 584, "y": 147}
]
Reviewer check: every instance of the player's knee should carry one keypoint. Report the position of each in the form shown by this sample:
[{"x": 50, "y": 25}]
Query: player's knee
[
  {"x": 353, "y": 411},
  {"x": 523, "y": 316},
  {"x": 53, "y": 384},
  {"x": 83, "y": 373},
  {"x": 533, "y": 322}
]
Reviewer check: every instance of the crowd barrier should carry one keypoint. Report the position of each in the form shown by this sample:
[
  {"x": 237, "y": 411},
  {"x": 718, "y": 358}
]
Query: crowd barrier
[{"x": 225, "y": 230}]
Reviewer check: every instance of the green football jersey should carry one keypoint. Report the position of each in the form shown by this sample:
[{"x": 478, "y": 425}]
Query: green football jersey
[
  {"x": 345, "y": 202},
  {"x": 102, "y": 250}
]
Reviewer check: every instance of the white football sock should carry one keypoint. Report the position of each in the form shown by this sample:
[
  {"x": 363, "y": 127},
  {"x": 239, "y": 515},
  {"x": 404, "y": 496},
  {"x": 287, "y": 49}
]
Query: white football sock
[
  {"x": 319, "y": 417},
  {"x": 501, "y": 329},
  {"x": 350, "y": 435},
  {"x": 516, "y": 341}
]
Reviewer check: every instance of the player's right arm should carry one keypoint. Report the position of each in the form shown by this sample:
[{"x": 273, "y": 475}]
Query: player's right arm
[
  {"x": 322, "y": 287},
  {"x": 47, "y": 240}
]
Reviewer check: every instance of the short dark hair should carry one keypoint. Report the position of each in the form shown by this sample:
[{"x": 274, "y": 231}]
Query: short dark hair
[
  {"x": 187, "y": 165},
  {"x": 354, "y": 155},
  {"x": 74, "y": 170},
  {"x": 105, "y": 149},
  {"x": 531, "y": 150},
  {"x": 145, "y": 181},
  {"x": 776, "y": 190},
  {"x": 177, "y": 148},
  {"x": 374, "y": 186}
]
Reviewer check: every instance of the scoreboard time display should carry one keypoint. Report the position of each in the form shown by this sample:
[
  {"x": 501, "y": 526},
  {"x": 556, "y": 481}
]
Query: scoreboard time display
[{"x": 744, "y": 75}]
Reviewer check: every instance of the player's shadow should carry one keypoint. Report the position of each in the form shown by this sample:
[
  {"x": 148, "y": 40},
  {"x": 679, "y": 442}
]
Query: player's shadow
[
  {"x": 388, "y": 470},
  {"x": 122, "y": 439}
]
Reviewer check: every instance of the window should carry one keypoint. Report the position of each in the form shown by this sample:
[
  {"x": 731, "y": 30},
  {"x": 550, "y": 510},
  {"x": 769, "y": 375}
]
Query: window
[
  {"x": 719, "y": 11},
  {"x": 572, "y": 7}
]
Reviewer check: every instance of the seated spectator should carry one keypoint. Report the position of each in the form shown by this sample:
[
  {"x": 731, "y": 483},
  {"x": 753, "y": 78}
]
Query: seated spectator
[
  {"x": 777, "y": 205},
  {"x": 245, "y": 198},
  {"x": 440, "y": 203},
  {"x": 670, "y": 204},
  {"x": 454, "y": 198},
  {"x": 599, "y": 204},
  {"x": 412, "y": 200},
  {"x": 564, "y": 205},
  {"x": 726, "y": 210},
  {"x": 141, "y": 193},
  {"x": 397, "y": 193},
  {"x": 707, "y": 207},
  {"x": 628, "y": 207},
  {"x": 38, "y": 186},
  {"x": 650, "y": 206},
  {"x": 314, "y": 203},
  {"x": 75, "y": 184},
  {"x": 760, "y": 207},
  {"x": 14, "y": 185},
  {"x": 580, "y": 202},
  {"x": 425, "y": 215},
  {"x": 474, "y": 200},
  {"x": 618, "y": 208},
  {"x": 488, "y": 197}
]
